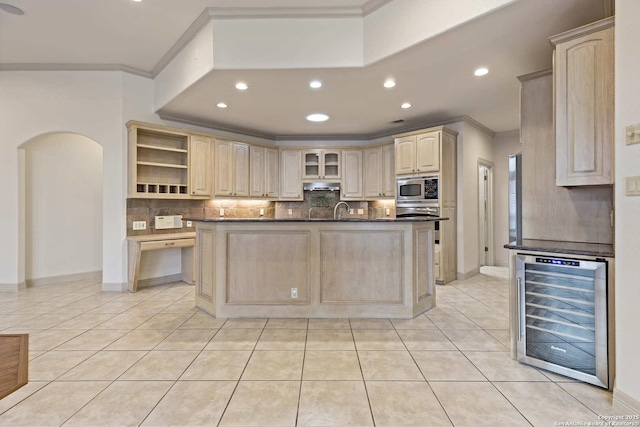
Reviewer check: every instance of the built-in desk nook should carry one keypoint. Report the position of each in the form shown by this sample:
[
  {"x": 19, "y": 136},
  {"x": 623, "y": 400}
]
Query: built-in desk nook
[{"x": 152, "y": 242}]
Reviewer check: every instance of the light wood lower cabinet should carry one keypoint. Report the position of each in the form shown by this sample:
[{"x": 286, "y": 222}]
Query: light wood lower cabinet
[{"x": 315, "y": 269}]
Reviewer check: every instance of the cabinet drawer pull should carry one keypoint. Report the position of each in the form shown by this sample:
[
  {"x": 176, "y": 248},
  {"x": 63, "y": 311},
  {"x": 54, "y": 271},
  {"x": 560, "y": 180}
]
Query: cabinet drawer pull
[{"x": 170, "y": 243}]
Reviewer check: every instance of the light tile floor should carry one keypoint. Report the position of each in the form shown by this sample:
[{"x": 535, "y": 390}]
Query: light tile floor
[{"x": 152, "y": 359}]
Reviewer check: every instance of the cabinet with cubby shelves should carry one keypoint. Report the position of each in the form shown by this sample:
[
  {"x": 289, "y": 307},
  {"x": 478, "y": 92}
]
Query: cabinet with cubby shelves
[{"x": 160, "y": 163}]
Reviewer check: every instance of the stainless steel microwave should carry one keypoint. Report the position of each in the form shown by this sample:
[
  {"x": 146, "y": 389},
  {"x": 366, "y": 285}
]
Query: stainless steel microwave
[{"x": 423, "y": 190}]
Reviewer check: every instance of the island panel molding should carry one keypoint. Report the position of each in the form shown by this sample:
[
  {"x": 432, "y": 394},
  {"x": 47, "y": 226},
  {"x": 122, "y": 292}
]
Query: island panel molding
[
  {"x": 361, "y": 267},
  {"x": 263, "y": 266},
  {"x": 341, "y": 269}
]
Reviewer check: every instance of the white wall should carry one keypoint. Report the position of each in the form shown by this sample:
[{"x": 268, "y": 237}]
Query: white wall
[
  {"x": 505, "y": 143},
  {"x": 267, "y": 43},
  {"x": 94, "y": 104},
  {"x": 401, "y": 24},
  {"x": 473, "y": 144},
  {"x": 627, "y": 235},
  {"x": 63, "y": 183}
]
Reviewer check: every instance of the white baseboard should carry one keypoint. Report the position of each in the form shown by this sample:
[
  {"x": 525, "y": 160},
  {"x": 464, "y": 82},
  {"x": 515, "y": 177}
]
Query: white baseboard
[
  {"x": 501, "y": 263},
  {"x": 159, "y": 280},
  {"x": 626, "y": 401},
  {"x": 56, "y": 280},
  {"x": 463, "y": 276},
  {"x": 115, "y": 287},
  {"x": 13, "y": 287}
]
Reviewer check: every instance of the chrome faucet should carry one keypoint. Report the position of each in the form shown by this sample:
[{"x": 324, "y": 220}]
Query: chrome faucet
[
  {"x": 310, "y": 209},
  {"x": 335, "y": 210}
]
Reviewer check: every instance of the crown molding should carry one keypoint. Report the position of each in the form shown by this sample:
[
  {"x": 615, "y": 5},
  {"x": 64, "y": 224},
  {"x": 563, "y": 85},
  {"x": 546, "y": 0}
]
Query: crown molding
[
  {"x": 197, "y": 25},
  {"x": 217, "y": 126},
  {"x": 265, "y": 13},
  {"x": 328, "y": 137},
  {"x": 284, "y": 12},
  {"x": 373, "y": 5},
  {"x": 532, "y": 76},
  {"x": 74, "y": 67},
  {"x": 594, "y": 27},
  {"x": 472, "y": 122}
]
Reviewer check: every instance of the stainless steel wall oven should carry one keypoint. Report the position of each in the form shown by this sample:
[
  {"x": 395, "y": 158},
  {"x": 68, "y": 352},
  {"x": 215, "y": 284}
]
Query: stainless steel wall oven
[
  {"x": 562, "y": 310},
  {"x": 419, "y": 196}
]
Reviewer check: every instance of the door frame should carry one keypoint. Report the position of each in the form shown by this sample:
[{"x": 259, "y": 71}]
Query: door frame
[{"x": 489, "y": 257}]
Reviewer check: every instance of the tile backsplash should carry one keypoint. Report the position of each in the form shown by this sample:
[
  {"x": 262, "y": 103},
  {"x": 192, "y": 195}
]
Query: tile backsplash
[
  {"x": 148, "y": 209},
  {"x": 322, "y": 204}
]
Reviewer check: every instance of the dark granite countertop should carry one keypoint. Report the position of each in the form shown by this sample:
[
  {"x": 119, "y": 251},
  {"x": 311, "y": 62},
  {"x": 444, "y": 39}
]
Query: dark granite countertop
[
  {"x": 421, "y": 219},
  {"x": 571, "y": 248}
]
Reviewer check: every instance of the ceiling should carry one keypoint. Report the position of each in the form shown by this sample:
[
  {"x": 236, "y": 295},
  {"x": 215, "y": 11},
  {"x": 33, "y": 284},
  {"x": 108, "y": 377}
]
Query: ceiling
[{"x": 435, "y": 75}]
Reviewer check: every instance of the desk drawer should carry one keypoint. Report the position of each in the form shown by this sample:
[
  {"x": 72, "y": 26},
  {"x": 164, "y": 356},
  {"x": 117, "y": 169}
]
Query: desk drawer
[{"x": 166, "y": 244}]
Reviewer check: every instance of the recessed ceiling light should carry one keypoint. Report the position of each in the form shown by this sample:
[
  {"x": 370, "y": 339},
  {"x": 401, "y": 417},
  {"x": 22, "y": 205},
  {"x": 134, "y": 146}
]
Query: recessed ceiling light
[
  {"x": 405, "y": 105},
  {"x": 137, "y": 1},
  {"x": 317, "y": 117},
  {"x": 389, "y": 83},
  {"x": 241, "y": 86},
  {"x": 221, "y": 105},
  {"x": 481, "y": 72},
  {"x": 315, "y": 84}
]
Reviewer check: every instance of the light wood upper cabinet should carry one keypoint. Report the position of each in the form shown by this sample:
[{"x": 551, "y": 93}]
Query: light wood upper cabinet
[
  {"x": 321, "y": 164},
  {"x": 379, "y": 172},
  {"x": 388, "y": 171},
  {"x": 291, "y": 175},
  {"x": 264, "y": 172},
  {"x": 231, "y": 169},
  {"x": 351, "y": 187},
  {"x": 167, "y": 163},
  {"x": 271, "y": 172},
  {"x": 200, "y": 181},
  {"x": 406, "y": 155},
  {"x": 584, "y": 104},
  {"x": 428, "y": 152},
  {"x": 256, "y": 178},
  {"x": 418, "y": 153},
  {"x": 433, "y": 152}
]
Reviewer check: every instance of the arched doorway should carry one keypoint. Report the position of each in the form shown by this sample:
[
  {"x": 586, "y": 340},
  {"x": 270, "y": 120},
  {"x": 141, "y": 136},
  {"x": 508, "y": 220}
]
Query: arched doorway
[{"x": 62, "y": 180}]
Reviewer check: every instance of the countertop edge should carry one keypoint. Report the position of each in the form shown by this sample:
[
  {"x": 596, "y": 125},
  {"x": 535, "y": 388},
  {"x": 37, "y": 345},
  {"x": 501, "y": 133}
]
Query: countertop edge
[
  {"x": 547, "y": 246},
  {"x": 316, "y": 220}
]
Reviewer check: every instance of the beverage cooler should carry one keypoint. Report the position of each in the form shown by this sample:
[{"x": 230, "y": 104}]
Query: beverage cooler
[{"x": 562, "y": 316}]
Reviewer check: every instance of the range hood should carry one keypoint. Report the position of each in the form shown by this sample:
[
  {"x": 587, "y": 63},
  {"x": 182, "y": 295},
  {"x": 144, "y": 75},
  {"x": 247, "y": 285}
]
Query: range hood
[{"x": 321, "y": 186}]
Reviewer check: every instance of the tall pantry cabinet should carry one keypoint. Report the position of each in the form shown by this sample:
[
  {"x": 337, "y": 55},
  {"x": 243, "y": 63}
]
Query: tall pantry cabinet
[{"x": 433, "y": 152}]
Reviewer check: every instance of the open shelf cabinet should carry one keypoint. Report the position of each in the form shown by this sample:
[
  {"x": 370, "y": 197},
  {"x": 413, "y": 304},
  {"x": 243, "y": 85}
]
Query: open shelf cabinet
[{"x": 159, "y": 162}]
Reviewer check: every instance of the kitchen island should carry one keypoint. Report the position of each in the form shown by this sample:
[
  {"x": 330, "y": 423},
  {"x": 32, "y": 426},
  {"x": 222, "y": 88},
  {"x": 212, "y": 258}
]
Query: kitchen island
[{"x": 315, "y": 268}]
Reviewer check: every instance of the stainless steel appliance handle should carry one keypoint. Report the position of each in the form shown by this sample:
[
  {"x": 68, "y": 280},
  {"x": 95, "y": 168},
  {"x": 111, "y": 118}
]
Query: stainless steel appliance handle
[{"x": 521, "y": 319}]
